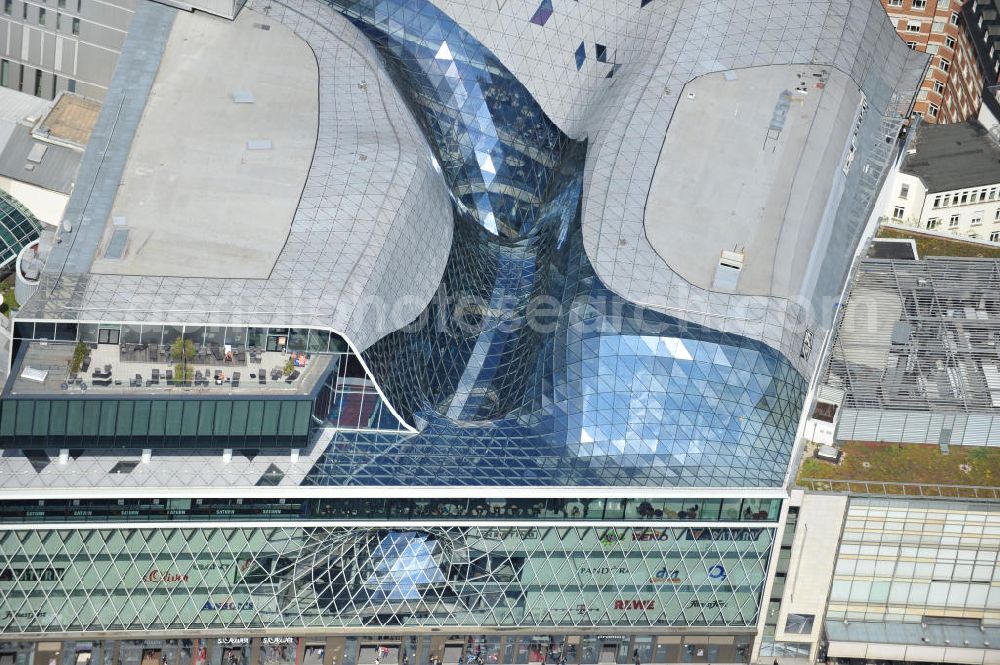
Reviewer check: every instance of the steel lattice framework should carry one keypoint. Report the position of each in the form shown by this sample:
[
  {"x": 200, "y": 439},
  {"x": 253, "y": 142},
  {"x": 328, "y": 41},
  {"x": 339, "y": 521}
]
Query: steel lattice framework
[{"x": 64, "y": 580}]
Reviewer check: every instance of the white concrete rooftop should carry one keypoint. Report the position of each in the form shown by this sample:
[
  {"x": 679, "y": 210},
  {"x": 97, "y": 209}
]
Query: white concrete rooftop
[
  {"x": 196, "y": 201},
  {"x": 748, "y": 164}
]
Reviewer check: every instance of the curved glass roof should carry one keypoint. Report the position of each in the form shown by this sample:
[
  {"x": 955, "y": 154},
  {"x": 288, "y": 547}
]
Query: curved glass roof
[
  {"x": 598, "y": 391},
  {"x": 18, "y": 228}
]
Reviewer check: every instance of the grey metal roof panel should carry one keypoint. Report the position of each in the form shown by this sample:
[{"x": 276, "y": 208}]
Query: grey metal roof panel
[
  {"x": 954, "y": 156},
  {"x": 56, "y": 170}
]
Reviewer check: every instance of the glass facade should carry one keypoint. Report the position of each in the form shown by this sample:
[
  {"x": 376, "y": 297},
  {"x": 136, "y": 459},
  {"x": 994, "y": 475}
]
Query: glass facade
[
  {"x": 218, "y": 423},
  {"x": 550, "y": 364},
  {"x": 18, "y": 228},
  {"x": 254, "y": 578},
  {"x": 902, "y": 561},
  {"x": 368, "y": 509}
]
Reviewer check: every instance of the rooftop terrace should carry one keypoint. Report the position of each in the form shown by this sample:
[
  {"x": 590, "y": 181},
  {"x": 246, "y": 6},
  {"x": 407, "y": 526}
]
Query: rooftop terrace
[{"x": 215, "y": 372}]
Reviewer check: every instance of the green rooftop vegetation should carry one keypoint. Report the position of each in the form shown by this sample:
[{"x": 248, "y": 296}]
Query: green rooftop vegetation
[
  {"x": 973, "y": 466},
  {"x": 932, "y": 245}
]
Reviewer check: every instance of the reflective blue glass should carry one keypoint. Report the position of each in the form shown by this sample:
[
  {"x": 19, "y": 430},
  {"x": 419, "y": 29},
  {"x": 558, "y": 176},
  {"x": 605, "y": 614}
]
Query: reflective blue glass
[{"x": 527, "y": 369}]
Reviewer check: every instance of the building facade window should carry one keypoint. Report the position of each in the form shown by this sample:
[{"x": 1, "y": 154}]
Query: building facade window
[
  {"x": 995, "y": 236},
  {"x": 5, "y": 72},
  {"x": 8, "y": 6},
  {"x": 895, "y": 3},
  {"x": 977, "y": 218},
  {"x": 41, "y": 16},
  {"x": 912, "y": 46},
  {"x": 38, "y": 83},
  {"x": 932, "y": 223},
  {"x": 953, "y": 222},
  {"x": 75, "y": 27},
  {"x": 898, "y": 212},
  {"x": 954, "y": 18},
  {"x": 919, "y": 4},
  {"x": 937, "y": 202},
  {"x": 932, "y": 110},
  {"x": 944, "y": 64},
  {"x": 904, "y": 191},
  {"x": 939, "y": 87},
  {"x": 24, "y": 11},
  {"x": 949, "y": 41},
  {"x": 58, "y": 21},
  {"x": 913, "y": 26}
]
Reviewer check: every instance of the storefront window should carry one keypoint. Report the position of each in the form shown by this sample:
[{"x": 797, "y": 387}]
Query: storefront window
[
  {"x": 231, "y": 651},
  {"x": 278, "y": 650},
  {"x": 642, "y": 648},
  {"x": 15, "y": 653},
  {"x": 483, "y": 650},
  {"x": 313, "y": 654}
]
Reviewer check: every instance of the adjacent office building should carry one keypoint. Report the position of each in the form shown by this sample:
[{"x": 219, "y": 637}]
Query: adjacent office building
[
  {"x": 949, "y": 182},
  {"x": 410, "y": 332},
  {"x": 71, "y": 45},
  {"x": 953, "y": 84}
]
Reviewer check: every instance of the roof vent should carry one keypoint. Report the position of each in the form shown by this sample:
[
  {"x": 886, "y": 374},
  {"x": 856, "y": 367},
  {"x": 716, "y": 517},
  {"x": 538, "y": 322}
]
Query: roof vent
[
  {"x": 242, "y": 97},
  {"x": 124, "y": 467},
  {"x": 727, "y": 272},
  {"x": 259, "y": 144},
  {"x": 37, "y": 152}
]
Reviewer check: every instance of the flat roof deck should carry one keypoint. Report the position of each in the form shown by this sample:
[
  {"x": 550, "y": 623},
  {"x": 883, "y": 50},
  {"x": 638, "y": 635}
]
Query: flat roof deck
[
  {"x": 220, "y": 157},
  {"x": 55, "y": 359},
  {"x": 745, "y": 166}
]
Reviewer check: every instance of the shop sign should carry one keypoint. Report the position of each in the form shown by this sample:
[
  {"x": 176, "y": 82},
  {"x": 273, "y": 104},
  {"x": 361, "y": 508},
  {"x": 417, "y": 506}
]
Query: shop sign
[
  {"x": 610, "y": 537},
  {"x": 155, "y": 575},
  {"x": 32, "y": 574},
  {"x": 716, "y": 535},
  {"x": 277, "y": 640},
  {"x": 227, "y": 604},
  {"x": 605, "y": 570},
  {"x": 709, "y": 605},
  {"x": 634, "y": 604},
  {"x": 717, "y": 573},
  {"x": 234, "y": 641},
  {"x": 666, "y": 576},
  {"x": 651, "y": 535},
  {"x": 612, "y": 637},
  {"x": 27, "y": 614}
]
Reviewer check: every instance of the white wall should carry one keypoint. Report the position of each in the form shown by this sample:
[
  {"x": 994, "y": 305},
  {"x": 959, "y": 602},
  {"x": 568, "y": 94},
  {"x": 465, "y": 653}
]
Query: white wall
[
  {"x": 977, "y": 217},
  {"x": 810, "y": 569},
  {"x": 46, "y": 205}
]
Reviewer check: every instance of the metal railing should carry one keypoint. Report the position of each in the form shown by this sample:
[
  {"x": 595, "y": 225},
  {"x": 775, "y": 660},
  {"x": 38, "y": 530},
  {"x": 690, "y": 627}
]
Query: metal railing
[{"x": 879, "y": 488}]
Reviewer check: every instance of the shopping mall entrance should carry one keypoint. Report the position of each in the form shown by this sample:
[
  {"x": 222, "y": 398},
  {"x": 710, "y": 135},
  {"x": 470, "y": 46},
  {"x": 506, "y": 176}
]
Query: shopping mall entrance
[{"x": 418, "y": 649}]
